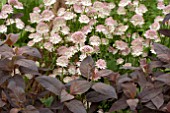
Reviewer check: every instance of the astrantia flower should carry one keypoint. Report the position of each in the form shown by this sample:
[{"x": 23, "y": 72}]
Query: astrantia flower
[
  {"x": 19, "y": 23},
  {"x": 101, "y": 28},
  {"x": 10, "y": 21},
  {"x": 29, "y": 29},
  {"x": 72, "y": 70},
  {"x": 105, "y": 41},
  {"x": 111, "y": 5},
  {"x": 49, "y": 2},
  {"x": 137, "y": 50},
  {"x": 36, "y": 37},
  {"x": 121, "y": 45},
  {"x": 30, "y": 43},
  {"x": 36, "y": 10},
  {"x": 47, "y": 15},
  {"x": 124, "y": 3},
  {"x": 86, "y": 2},
  {"x": 68, "y": 16},
  {"x": 78, "y": 37},
  {"x": 86, "y": 29},
  {"x": 141, "y": 9},
  {"x": 110, "y": 22},
  {"x": 82, "y": 57},
  {"x": 19, "y": 5},
  {"x": 48, "y": 46},
  {"x": 94, "y": 40},
  {"x": 84, "y": 19},
  {"x": 78, "y": 8},
  {"x": 121, "y": 11},
  {"x": 137, "y": 20},
  {"x": 61, "y": 11},
  {"x": 65, "y": 30},
  {"x": 55, "y": 38},
  {"x": 119, "y": 61},
  {"x": 101, "y": 64},
  {"x": 59, "y": 21},
  {"x": 3, "y": 15},
  {"x": 7, "y": 9},
  {"x": 98, "y": 5},
  {"x": 35, "y": 17},
  {"x": 86, "y": 49},
  {"x": 155, "y": 26},
  {"x": 62, "y": 61},
  {"x": 161, "y": 5},
  {"x": 71, "y": 2},
  {"x": 42, "y": 28},
  {"x": 3, "y": 29},
  {"x": 166, "y": 10},
  {"x": 151, "y": 34}
]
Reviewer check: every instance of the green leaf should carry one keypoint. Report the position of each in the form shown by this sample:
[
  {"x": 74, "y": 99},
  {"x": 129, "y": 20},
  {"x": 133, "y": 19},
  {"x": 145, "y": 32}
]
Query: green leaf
[{"x": 47, "y": 101}]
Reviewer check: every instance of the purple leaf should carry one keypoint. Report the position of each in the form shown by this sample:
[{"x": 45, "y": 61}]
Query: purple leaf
[
  {"x": 105, "y": 89},
  {"x": 51, "y": 84},
  {"x": 76, "y": 106}
]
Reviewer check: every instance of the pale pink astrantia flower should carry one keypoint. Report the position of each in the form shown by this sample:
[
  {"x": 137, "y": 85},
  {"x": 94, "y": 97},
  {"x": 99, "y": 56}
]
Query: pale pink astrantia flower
[
  {"x": 78, "y": 37},
  {"x": 72, "y": 70},
  {"x": 137, "y": 50},
  {"x": 18, "y": 5},
  {"x": 101, "y": 64},
  {"x": 61, "y": 11},
  {"x": 86, "y": 29},
  {"x": 141, "y": 9},
  {"x": 127, "y": 65},
  {"x": 55, "y": 39},
  {"x": 155, "y": 26},
  {"x": 121, "y": 45},
  {"x": 102, "y": 28},
  {"x": 111, "y": 5},
  {"x": 35, "y": 17},
  {"x": 161, "y": 5},
  {"x": 78, "y": 8},
  {"x": 48, "y": 46},
  {"x": 84, "y": 19},
  {"x": 30, "y": 43},
  {"x": 10, "y": 21},
  {"x": 94, "y": 40},
  {"x": 36, "y": 10},
  {"x": 36, "y": 37},
  {"x": 137, "y": 20},
  {"x": 86, "y": 2},
  {"x": 125, "y": 52},
  {"x": 124, "y": 3},
  {"x": 29, "y": 29},
  {"x": 69, "y": 15},
  {"x": 119, "y": 61},
  {"x": 86, "y": 49},
  {"x": 166, "y": 10},
  {"x": 98, "y": 5},
  {"x": 3, "y": 29},
  {"x": 82, "y": 57},
  {"x": 42, "y": 28},
  {"x": 48, "y": 2},
  {"x": 104, "y": 41},
  {"x": 19, "y": 23},
  {"x": 62, "y": 61},
  {"x": 3, "y": 15},
  {"x": 110, "y": 22},
  {"x": 151, "y": 34},
  {"x": 47, "y": 15},
  {"x": 121, "y": 11},
  {"x": 71, "y": 2},
  {"x": 65, "y": 30},
  {"x": 7, "y": 9}
]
